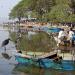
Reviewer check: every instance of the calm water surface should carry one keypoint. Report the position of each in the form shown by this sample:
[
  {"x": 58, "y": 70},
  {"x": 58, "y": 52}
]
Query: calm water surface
[{"x": 10, "y": 67}]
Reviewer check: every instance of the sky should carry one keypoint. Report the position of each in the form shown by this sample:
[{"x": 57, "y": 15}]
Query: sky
[{"x": 5, "y": 8}]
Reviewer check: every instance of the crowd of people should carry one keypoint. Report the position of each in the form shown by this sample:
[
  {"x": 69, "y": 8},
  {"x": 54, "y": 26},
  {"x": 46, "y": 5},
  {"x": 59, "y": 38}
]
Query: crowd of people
[{"x": 66, "y": 35}]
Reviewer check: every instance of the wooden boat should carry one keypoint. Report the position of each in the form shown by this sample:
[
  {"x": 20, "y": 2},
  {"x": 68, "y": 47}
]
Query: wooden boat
[
  {"x": 51, "y": 61},
  {"x": 46, "y": 61}
]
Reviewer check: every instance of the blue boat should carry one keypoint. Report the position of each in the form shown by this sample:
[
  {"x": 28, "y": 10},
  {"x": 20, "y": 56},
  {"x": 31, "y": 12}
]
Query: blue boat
[
  {"x": 47, "y": 62},
  {"x": 55, "y": 30},
  {"x": 41, "y": 61}
]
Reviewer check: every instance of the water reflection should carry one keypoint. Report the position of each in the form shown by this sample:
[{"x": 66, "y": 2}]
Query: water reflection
[
  {"x": 9, "y": 67},
  {"x": 31, "y": 70}
]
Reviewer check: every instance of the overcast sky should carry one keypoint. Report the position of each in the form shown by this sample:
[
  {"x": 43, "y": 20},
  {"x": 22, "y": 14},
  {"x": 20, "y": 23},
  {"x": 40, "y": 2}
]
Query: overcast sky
[{"x": 5, "y": 8}]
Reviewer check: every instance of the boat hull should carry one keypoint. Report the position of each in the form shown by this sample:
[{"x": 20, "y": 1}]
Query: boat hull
[
  {"x": 44, "y": 63},
  {"x": 47, "y": 63}
]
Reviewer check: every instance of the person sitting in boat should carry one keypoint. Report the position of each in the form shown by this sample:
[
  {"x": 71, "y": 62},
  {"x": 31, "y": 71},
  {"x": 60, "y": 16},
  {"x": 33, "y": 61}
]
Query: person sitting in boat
[
  {"x": 70, "y": 37},
  {"x": 61, "y": 36},
  {"x": 19, "y": 51}
]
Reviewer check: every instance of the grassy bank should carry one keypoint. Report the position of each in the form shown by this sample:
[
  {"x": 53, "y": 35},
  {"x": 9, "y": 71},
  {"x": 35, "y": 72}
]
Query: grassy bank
[{"x": 41, "y": 41}]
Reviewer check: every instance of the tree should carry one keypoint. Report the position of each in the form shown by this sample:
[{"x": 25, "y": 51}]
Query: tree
[
  {"x": 61, "y": 12},
  {"x": 71, "y": 18},
  {"x": 17, "y": 12},
  {"x": 73, "y": 5},
  {"x": 42, "y": 7},
  {"x": 39, "y": 7},
  {"x": 54, "y": 10}
]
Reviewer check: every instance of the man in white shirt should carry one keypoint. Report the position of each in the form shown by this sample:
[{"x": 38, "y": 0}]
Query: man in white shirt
[
  {"x": 70, "y": 37},
  {"x": 61, "y": 35},
  {"x": 71, "y": 33}
]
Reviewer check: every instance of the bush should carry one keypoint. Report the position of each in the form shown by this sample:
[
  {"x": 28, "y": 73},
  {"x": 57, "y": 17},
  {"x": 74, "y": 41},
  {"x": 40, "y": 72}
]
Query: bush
[{"x": 41, "y": 41}]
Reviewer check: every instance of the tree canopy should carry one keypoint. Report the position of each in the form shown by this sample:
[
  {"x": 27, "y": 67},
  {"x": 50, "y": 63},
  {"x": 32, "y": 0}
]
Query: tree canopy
[
  {"x": 38, "y": 42},
  {"x": 62, "y": 11},
  {"x": 53, "y": 10}
]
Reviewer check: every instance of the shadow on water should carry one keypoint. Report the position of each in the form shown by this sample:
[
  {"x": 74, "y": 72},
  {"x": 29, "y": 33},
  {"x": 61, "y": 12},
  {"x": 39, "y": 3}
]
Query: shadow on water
[
  {"x": 6, "y": 56},
  {"x": 31, "y": 70}
]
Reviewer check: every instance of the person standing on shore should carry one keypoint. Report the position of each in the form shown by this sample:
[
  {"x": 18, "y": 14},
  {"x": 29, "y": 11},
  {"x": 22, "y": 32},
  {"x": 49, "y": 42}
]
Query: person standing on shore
[
  {"x": 70, "y": 37},
  {"x": 61, "y": 35}
]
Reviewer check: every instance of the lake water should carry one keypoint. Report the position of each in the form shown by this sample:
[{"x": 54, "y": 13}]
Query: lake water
[{"x": 10, "y": 67}]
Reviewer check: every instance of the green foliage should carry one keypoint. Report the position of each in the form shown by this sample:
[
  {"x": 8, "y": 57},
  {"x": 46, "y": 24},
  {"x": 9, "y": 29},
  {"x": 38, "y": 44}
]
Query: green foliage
[
  {"x": 19, "y": 10},
  {"x": 62, "y": 12},
  {"x": 40, "y": 7},
  {"x": 67, "y": 2},
  {"x": 71, "y": 18},
  {"x": 53, "y": 10},
  {"x": 73, "y": 5},
  {"x": 59, "y": 13},
  {"x": 39, "y": 42},
  {"x": 13, "y": 36}
]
